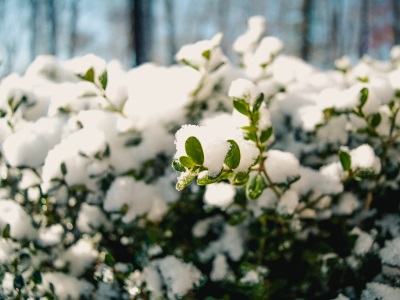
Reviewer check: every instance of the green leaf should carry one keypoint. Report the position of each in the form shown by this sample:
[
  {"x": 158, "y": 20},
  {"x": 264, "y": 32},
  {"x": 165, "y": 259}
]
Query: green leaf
[
  {"x": 6, "y": 232},
  {"x": 124, "y": 209},
  {"x": 204, "y": 178},
  {"x": 375, "y": 120},
  {"x": 187, "y": 162},
  {"x": 63, "y": 168},
  {"x": 258, "y": 102},
  {"x": 241, "y": 106},
  {"x": 89, "y": 75},
  {"x": 255, "y": 186},
  {"x": 18, "y": 282},
  {"x": 194, "y": 150},
  {"x": 363, "y": 97},
  {"x": 103, "y": 78},
  {"x": 240, "y": 178},
  {"x": 266, "y": 134},
  {"x": 237, "y": 217},
  {"x": 185, "y": 179},
  {"x": 37, "y": 277},
  {"x": 109, "y": 260},
  {"x": 251, "y": 136},
  {"x": 206, "y": 54},
  {"x": 345, "y": 160},
  {"x": 188, "y": 63},
  {"x": 177, "y": 166},
  {"x": 232, "y": 159}
]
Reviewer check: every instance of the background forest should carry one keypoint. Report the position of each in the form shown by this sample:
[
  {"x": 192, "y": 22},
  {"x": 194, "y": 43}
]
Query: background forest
[{"x": 135, "y": 31}]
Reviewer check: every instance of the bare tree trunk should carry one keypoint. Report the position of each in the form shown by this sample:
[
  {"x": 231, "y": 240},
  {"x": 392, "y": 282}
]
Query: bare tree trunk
[
  {"x": 396, "y": 21},
  {"x": 52, "y": 26},
  {"x": 169, "y": 7},
  {"x": 364, "y": 28},
  {"x": 141, "y": 14},
  {"x": 306, "y": 29},
  {"x": 32, "y": 21},
  {"x": 72, "y": 28}
]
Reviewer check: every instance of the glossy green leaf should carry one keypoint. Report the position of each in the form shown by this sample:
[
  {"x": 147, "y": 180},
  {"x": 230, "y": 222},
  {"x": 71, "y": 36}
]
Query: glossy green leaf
[
  {"x": 241, "y": 106},
  {"x": 187, "y": 162},
  {"x": 375, "y": 120},
  {"x": 177, "y": 166},
  {"x": 240, "y": 179},
  {"x": 266, "y": 134},
  {"x": 204, "y": 178},
  {"x": 232, "y": 159},
  {"x": 109, "y": 260},
  {"x": 345, "y": 160},
  {"x": 258, "y": 102},
  {"x": 89, "y": 75},
  {"x": 63, "y": 168},
  {"x": 103, "y": 78},
  {"x": 194, "y": 150},
  {"x": 363, "y": 97},
  {"x": 6, "y": 232},
  {"x": 255, "y": 187}
]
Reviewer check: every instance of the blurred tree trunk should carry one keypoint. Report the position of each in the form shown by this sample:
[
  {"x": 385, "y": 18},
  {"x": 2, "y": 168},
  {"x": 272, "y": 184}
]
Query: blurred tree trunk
[
  {"x": 141, "y": 31},
  {"x": 334, "y": 36},
  {"x": 306, "y": 28},
  {"x": 364, "y": 28},
  {"x": 52, "y": 26},
  {"x": 396, "y": 21},
  {"x": 72, "y": 28},
  {"x": 170, "y": 12},
  {"x": 32, "y": 24}
]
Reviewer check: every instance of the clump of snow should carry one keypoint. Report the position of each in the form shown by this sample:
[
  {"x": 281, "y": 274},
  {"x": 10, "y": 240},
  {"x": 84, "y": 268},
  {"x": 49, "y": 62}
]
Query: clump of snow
[
  {"x": 244, "y": 89},
  {"x": 90, "y": 218},
  {"x": 288, "y": 203},
  {"x": 139, "y": 197},
  {"x": 363, "y": 157},
  {"x": 251, "y": 277},
  {"x": 6, "y": 251},
  {"x": 50, "y": 236},
  {"x": 80, "y": 256},
  {"x": 66, "y": 286},
  {"x": 390, "y": 254},
  {"x": 177, "y": 276},
  {"x": 230, "y": 242},
  {"x": 20, "y": 222},
  {"x": 281, "y": 165},
  {"x": 347, "y": 204},
  {"x": 363, "y": 243},
  {"x": 219, "y": 268},
  {"x": 219, "y": 194},
  {"x": 215, "y": 147},
  {"x": 375, "y": 290}
]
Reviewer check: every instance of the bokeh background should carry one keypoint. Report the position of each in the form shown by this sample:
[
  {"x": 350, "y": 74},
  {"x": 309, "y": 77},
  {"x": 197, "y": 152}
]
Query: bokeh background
[{"x": 135, "y": 31}]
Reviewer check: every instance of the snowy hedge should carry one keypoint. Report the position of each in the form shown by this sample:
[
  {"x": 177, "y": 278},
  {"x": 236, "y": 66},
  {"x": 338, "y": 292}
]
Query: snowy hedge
[{"x": 284, "y": 180}]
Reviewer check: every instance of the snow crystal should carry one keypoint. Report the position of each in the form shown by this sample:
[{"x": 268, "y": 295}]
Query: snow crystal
[
  {"x": 375, "y": 290},
  {"x": 177, "y": 276},
  {"x": 281, "y": 165},
  {"x": 288, "y": 203},
  {"x": 20, "y": 222},
  {"x": 219, "y": 268},
  {"x": 80, "y": 256},
  {"x": 219, "y": 194},
  {"x": 139, "y": 197},
  {"x": 66, "y": 286},
  {"x": 230, "y": 242}
]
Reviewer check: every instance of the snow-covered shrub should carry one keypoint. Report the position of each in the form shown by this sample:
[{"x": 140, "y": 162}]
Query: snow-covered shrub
[{"x": 285, "y": 186}]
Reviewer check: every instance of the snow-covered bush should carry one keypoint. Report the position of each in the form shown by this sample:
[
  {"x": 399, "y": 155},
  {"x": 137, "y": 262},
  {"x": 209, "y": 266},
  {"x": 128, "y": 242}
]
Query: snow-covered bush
[{"x": 284, "y": 185}]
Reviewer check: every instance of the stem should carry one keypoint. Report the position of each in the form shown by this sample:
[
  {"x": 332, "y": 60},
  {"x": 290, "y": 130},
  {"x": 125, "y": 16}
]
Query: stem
[
  {"x": 262, "y": 241},
  {"x": 368, "y": 201},
  {"x": 311, "y": 203},
  {"x": 271, "y": 184}
]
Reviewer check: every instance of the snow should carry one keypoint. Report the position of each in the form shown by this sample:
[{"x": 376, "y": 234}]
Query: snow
[
  {"x": 363, "y": 157},
  {"x": 390, "y": 254},
  {"x": 139, "y": 197},
  {"x": 363, "y": 243},
  {"x": 219, "y": 268},
  {"x": 20, "y": 222},
  {"x": 219, "y": 194},
  {"x": 288, "y": 203},
  {"x": 251, "y": 277},
  {"x": 91, "y": 218},
  {"x": 50, "y": 236},
  {"x": 281, "y": 165},
  {"x": 347, "y": 204},
  {"x": 6, "y": 251},
  {"x": 244, "y": 89},
  {"x": 66, "y": 286},
  {"x": 80, "y": 256},
  {"x": 375, "y": 290}
]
